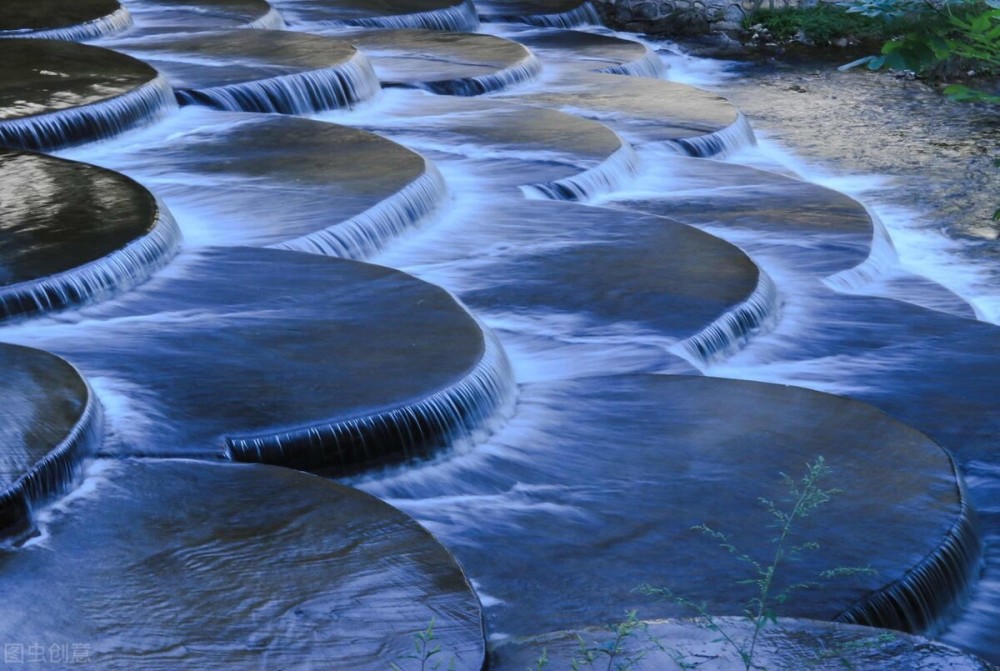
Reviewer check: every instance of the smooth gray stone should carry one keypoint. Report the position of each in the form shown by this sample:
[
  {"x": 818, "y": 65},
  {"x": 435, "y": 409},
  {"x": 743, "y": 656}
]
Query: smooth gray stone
[
  {"x": 180, "y": 564},
  {"x": 313, "y": 360},
  {"x": 444, "y": 62},
  {"x": 180, "y": 16},
  {"x": 577, "y": 51},
  {"x": 73, "y": 233},
  {"x": 593, "y": 488},
  {"x": 49, "y": 422},
  {"x": 55, "y": 93},
  {"x": 789, "y": 644},
  {"x": 445, "y": 15},
  {"x": 260, "y": 70},
  {"x": 312, "y": 186},
  {"x": 548, "y": 13},
  {"x": 62, "y": 19}
]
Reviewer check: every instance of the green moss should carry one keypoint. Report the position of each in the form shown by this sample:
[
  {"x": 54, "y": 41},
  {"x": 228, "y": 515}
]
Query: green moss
[{"x": 822, "y": 24}]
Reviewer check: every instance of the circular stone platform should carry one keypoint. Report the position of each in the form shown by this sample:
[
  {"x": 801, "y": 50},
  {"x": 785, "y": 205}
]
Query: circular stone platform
[
  {"x": 312, "y": 186},
  {"x": 650, "y": 110},
  {"x": 578, "y": 51},
  {"x": 261, "y": 70},
  {"x": 181, "y": 16},
  {"x": 71, "y": 233},
  {"x": 462, "y": 64},
  {"x": 54, "y": 94},
  {"x": 49, "y": 422},
  {"x": 62, "y": 20},
  {"x": 288, "y": 358},
  {"x": 166, "y": 565},
  {"x": 593, "y": 487},
  {"x": 547, "y": 13},
  {"x": 789, "y": 644},
  {"x": 446, "y": 15}
]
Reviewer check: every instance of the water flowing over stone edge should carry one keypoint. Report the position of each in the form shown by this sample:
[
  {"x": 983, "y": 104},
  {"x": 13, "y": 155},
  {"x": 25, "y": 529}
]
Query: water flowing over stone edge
[
  {"x": 460, "y": 18},
  {"x": 610, "y": 175},
  {"x": 120, "y": 270},
  {"x": 583, "y": 15},
  {"x": 366, "y": 234},
  {"x": 303, "y": 93},
  {"x": 53, "y": 474},
  {"x": 650, "y": 66},
  {"x": 272, "y": 20},
  {"x": 115, "y": 22},
  {"x": 101, "y": 120},
  {"x": 525, "y": 70},
  {"x": 720, "y": 143},
  {"x": 733, "y": 331},
  {"x": 914, "y": 603},
  {"x": 413, "y": 429}
]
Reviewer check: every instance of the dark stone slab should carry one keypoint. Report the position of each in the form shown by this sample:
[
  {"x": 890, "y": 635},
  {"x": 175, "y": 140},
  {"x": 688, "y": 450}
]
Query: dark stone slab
[
  {"x": 787, "y": 644},
  {"x": 547, "y": 13},
  {"x": 154, "y": 17},
  {"x": 72, "y": 233},
  {"x": 312, "y": 186},
  {"x": 49, "y": 423},
  {"x": 643, "y": 110},
  {"x": 179, "y": 564},
  {"x": 593, "y": 487},
  {"x": 445, "y": 15},
  {"x": 54, "y": 94},
  {"x": 446, "y": 63},
  {"x": 579, "y": 51},
  {"x": 260, "y": 70},
  {"x": 289, "y": 358},
  {"x": 58, "y": 19}
]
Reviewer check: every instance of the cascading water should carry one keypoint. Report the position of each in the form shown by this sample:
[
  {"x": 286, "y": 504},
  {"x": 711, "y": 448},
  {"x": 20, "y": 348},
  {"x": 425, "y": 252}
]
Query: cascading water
[
  {"x": 583, "y": 14},
  {"x": 115, "y": 22}
]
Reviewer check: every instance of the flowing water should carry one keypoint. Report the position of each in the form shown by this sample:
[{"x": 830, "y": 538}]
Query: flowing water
[{"x": 605, "y": 409}]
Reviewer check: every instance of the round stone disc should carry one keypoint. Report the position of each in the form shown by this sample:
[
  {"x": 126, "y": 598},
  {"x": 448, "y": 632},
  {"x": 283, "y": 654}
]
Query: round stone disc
[
  {"x": 445, "y": 15},
  {"x": 50, "y": 423},
  {"x": 179, "y": 564},
  {"x": 288, "y": 358},
  {"x": 181, "y": 16},
  {"x": 62, "y": 19},
  {"x": 595, "y": 476},
  {"x": 548, "y": 13},
  {"x": 54, "y": 94},
  {"x": 574, "y": 50},
  {"x": 74, "y": 233}
]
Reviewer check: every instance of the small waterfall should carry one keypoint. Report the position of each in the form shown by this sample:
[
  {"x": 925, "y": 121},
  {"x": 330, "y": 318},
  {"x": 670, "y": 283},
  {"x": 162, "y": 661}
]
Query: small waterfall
[
  {"x": 721, "y": 143},
  {"x": 120, "y": 270},
  {"x": 611, "y": 175},
  {"x": 97, "y": 121},
  {"x": 583, "y": 15},
  {"x": 650, "y": 66},
  {"x": 302, "y": 93},
  {"x": 733, "y": 330},
  {"x": 273, "y": 20},
  {"x": 527, "y": 69},
  {"x": 461, "y": 18},
  {"x": 924, "y": 600},
  {"x": 53, "y": 474},
  {"x": 115, "y": 22},
  {"x": 411, "y": 430},
  {"x": 366, "y": 234},
  {"x": 882, "y": 259}
]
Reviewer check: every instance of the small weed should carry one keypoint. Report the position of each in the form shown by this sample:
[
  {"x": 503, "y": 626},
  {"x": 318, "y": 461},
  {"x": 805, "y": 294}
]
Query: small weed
[{"x": 425, "y": 649}]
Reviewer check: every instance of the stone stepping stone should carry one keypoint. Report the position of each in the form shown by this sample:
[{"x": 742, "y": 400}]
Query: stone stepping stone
[
  {"x": 578, "y": 51},
  {"x": 788, "y": 644},
  {"x": 550, "y": 153},
  {"x": 287, "y": 358},
  {"x": 260, "y": 70},
  {"x": 696, "y": 295},
  {"x": 546, "y": 13},
  {"x": 154, "y": 17},
  {"x": 444, "y": 15},
  {"x": 50, "y": 423},
  {"x": 180, "y": 564},
  {"x": 593, "y": 487},
  {"x": 54, "y": 94},
  {"x": 62, "y": 20},
  {"x": 311, "y": 186},
  {"x": 461, "y": 64},
  {"x": 642, "y": 110},
  {"x": 828, "y": 234},
  {"x": 73, "y": 233}
]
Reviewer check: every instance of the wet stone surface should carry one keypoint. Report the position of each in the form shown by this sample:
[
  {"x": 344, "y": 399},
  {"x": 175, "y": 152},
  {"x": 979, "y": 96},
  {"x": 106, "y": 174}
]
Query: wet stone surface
[{"x": 26, "y": 16}]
